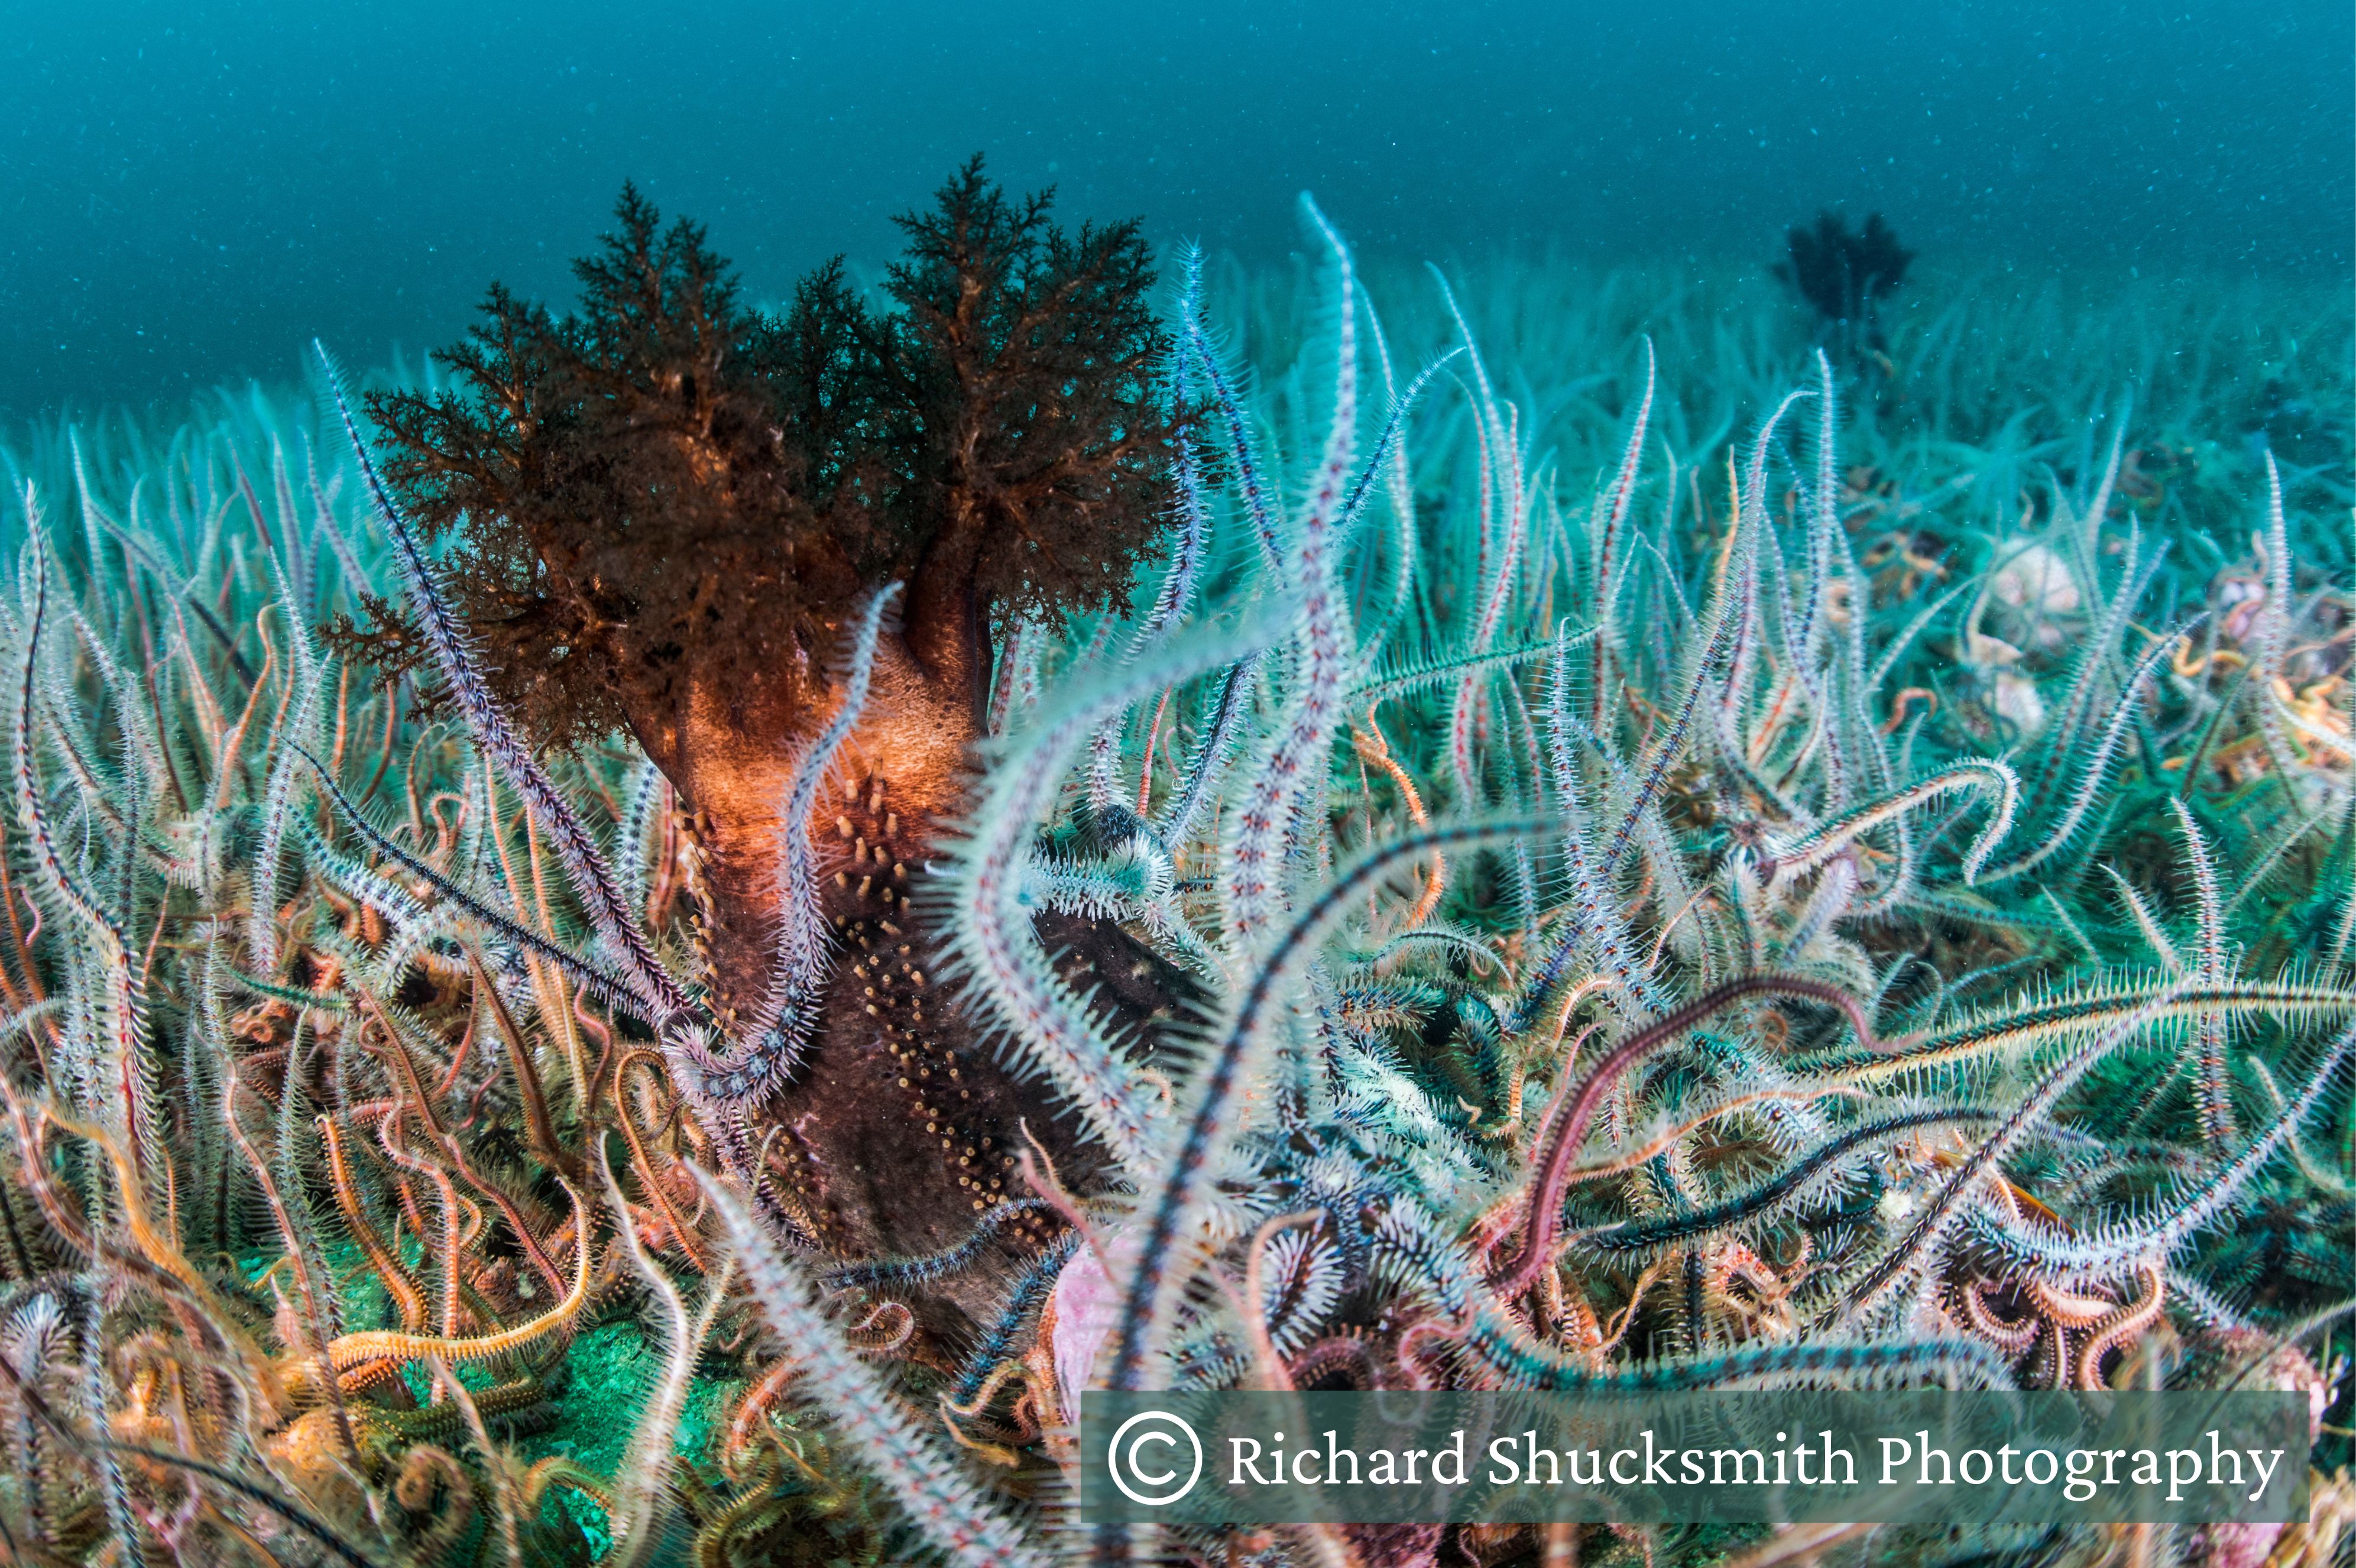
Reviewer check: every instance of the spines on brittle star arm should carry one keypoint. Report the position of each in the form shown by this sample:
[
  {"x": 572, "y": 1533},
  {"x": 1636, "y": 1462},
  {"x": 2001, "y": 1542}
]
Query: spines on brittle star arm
[
  {"x": 1729, "y": 608},
  {"x": 1257, "y": 502},
  {"x": 122, "y": 1521},
  {"x": 278, "y": 791},
  {"x": 453, "y": 656},
  {"x": 1132, "y": 875},
  {"x": 349, "y": 1351},
  {"x": 398, "y": 1288},
  {"x": 1568, "y": 741},
  {"x": 2214, "y": 1087},
  {"x": 1015, "y": 687},
  {"x": 2342, "y": 858},
  {"x": 127, "y": 1067},
  {"x": 2146, "y": 923},
  {"x": 1812, "y": 848},
  {"x": 1418, "y": 673},
  {"x": 1293, "y": 767},
  {"x": 1817, "y": 1363},
  {"x": 798, "y": 970},
  {"x": 2090, "y": 523},
  {"x": 1550, "y": 1165},
  {"x": 1857, "y": 704},
  {"x": 56, "y": 875},
  {"x": 607, "y": 986},
  {"x": 1502, "y": 475},
  {"x": 2078, "y": 703},
  {"x": 2103, "y": 1253},
  {"x": 2274, "y": 710},
  {"x": 1595, "y": 924},
  {"x": 92, "y": 522},
  {"x": 642, "y": 1491},
  {"x": 1751, "y": 513},
  {"x": 1772, "y": 1196},
  {"x": 2101, "y": 642},
  {"x": 1402, "y": 499},
  {"x": 1389, "y": 437},
  {"x": 1910, "y": 1255},
  {"x": 990, "y": 925},
  {"x": 1828, "y": 903},
  {"x": 1823, "y": 519},
  {"x": 888, "y": 1274},
  {"x": 2095, "y": 771},
  {"x": 1104, "y": 790},
  {"x": 2075, "y": 1013},
  {"x": 1802, "y": 627},
  {"x": 956, "y": 1517},
  {"x": 356, "y": 881},
  {"x": 140, "y": 737},
  {"x": 1230, "y": 714},
  {"x": 1610, "y": 516},
  {"x": 641, "y": 831},
  {"x": 1229, "y": 1069},
  {"x": 1192, "y": 528},
  {"x": 1030, "y": 1291},
  {"x": 356, "y": 578},
  {"x": 1432, "y": 1268},
  {"x": 290, "y": 1173},
  {"x": 2274, "y": 615}
]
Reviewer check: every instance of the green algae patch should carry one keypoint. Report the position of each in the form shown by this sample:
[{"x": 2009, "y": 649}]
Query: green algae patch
[{"x": 609, "y": 1372}]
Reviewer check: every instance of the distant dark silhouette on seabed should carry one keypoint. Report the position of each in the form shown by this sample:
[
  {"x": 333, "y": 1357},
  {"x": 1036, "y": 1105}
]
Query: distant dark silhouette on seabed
[{"x": 1844, "y": 277}]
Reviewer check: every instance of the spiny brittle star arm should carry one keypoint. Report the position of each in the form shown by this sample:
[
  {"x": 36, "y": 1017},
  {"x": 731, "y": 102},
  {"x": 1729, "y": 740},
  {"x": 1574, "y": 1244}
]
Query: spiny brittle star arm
[{"x": 350, "y": 1350}]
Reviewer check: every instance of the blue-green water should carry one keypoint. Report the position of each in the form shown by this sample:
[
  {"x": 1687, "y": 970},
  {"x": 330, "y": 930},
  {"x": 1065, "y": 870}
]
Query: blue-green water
[{"x": 189, "y": 192}]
